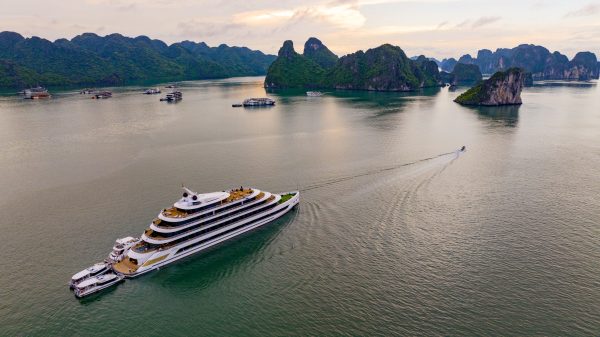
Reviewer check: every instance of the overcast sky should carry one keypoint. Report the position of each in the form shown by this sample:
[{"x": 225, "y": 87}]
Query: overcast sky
[{"x": 437, "y": 28}]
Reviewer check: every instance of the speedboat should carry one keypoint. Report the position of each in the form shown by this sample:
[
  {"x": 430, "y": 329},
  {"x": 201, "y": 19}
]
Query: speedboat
[
  {"x": 96, "y": 283},
  {"x": 95, "y": 270}
]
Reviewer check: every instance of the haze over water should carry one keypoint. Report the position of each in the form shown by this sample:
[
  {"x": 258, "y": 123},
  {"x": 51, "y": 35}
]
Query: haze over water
[{"x": 502, "y": 240}]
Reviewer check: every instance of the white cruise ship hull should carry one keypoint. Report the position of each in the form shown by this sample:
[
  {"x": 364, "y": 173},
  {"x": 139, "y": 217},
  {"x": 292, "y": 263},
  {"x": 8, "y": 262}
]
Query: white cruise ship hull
[{"x": 160, "y": 258}]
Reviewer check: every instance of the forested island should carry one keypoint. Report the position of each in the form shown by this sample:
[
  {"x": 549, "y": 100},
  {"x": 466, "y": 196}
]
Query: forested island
[
  {"x": 92, "y": 60},
  {"x": 385, "y": 68},
  {"x": 89, "y": 59}
]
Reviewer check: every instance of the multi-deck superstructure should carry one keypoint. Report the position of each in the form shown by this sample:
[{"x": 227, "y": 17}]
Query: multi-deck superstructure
[{"x": 198, "y": 221}]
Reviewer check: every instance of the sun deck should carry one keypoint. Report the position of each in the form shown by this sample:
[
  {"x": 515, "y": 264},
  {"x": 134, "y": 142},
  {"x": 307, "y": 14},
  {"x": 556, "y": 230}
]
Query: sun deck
[{"x": 234, "y": 195}]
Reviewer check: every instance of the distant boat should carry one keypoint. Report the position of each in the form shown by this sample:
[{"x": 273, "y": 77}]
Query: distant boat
[
  {"x": 314, "y": 93},
  {"x": 102, "y": 95},
  {"x": 172, "y": 86},
  {"x": 236, "y": 105},
  {"x": 263, "y": 101},
  {"x": 87, "y": 91},
  {"x": 172, "y": 97},
  {"x": 152, "y": 91},
  {"x": 36, "y": 93}
]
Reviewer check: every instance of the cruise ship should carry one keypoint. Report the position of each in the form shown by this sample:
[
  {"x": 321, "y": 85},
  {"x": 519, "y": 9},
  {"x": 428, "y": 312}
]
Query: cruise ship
[{"x": 198, "y": 221}]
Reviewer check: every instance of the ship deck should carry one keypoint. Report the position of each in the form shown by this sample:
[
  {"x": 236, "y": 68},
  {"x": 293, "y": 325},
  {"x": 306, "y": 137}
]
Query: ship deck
[
  {"x": 234, "y": 195},
  {"x": 125, "y": 267}
]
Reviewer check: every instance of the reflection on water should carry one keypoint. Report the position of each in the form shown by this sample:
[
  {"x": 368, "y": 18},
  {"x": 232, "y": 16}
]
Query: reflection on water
[
  {"x": 501, "y": 116},
  {"x": 211, "y": 266}
]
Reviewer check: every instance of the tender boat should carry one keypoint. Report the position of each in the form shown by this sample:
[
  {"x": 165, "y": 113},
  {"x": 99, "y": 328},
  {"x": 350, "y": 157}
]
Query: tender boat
[
  {"x": 95, "y": 270},
  {"x": 314, "y": 93},
  {"x": 96, "y": 283},
  {"x": 120, "y": 247},
  {"x": 263, "y": 101}
]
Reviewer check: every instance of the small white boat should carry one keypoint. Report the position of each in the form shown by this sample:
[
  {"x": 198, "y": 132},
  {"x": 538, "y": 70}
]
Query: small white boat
[
  {"x": 121, "y": 248},
  {"x": 314, "y": 93},
  {"x": 95, "y": 270},
  {"x": 96, "y": 283},
  {"x": 152, "y": 91}
]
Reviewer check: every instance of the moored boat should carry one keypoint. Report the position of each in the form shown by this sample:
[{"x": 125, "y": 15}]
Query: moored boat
[
  {"x": 314, "y": 93},
  {"x": 36, "y": 93},
  {"x": 172, "y": 97},
  {"x": 95, "y": 270},
  {"x": 262, "y": 101},
  {"x": 96, "y": 283},
  {"x": 152, "y": 91},
  {"x": 102, "y": 95}
]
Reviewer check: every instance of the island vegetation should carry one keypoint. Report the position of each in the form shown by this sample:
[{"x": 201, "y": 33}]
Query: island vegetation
[
  {"x": 89, "y": 59},
  {"x": 385, "y": 68}
]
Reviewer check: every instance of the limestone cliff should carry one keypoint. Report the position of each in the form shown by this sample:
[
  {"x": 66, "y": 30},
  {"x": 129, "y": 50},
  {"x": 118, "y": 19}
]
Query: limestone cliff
[{"x": 503, "y": 88}]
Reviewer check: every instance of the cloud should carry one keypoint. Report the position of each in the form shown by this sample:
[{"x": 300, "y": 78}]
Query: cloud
[
  {"x": 340, "y": 15},
  {"x": 205, "y": 29},
  {"x": 463, "y": 24},
  {"x": 587, "y": 10},
  {"x": 442, "y": 25},
  {"x": 484, "y": 21}
]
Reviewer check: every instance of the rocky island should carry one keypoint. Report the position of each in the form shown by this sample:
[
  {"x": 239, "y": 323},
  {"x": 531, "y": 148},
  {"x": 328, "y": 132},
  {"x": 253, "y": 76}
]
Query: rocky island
[
  {"x": 537, "y": 60},
  {"x": 503, "y": 88},
  {"x": 385, "y": 68}
]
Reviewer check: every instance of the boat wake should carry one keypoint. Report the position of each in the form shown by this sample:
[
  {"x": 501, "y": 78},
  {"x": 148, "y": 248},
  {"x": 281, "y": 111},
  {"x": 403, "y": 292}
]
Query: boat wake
[{"x": 456, "y": 154}]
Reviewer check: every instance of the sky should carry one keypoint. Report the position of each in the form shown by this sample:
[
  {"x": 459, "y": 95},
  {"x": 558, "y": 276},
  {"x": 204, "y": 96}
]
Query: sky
[{"x": 436, "y": 28}]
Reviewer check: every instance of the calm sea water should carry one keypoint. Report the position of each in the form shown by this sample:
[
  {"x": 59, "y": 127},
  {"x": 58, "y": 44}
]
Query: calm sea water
[{"x": 503, "y": 240}]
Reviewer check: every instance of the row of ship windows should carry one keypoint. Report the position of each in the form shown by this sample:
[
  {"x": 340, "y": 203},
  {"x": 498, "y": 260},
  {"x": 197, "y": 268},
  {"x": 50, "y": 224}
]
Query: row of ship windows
[
  {"x": 228, "y": 222},
  {"x": 181, "y": 250},
  {"x": 175, "y": 224},
  {"x": 224, "y": 216}
]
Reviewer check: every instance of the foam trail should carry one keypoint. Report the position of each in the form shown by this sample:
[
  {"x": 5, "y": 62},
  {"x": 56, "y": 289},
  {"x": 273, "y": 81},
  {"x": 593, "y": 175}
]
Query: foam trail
[{"x": 372, "y": 172}]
